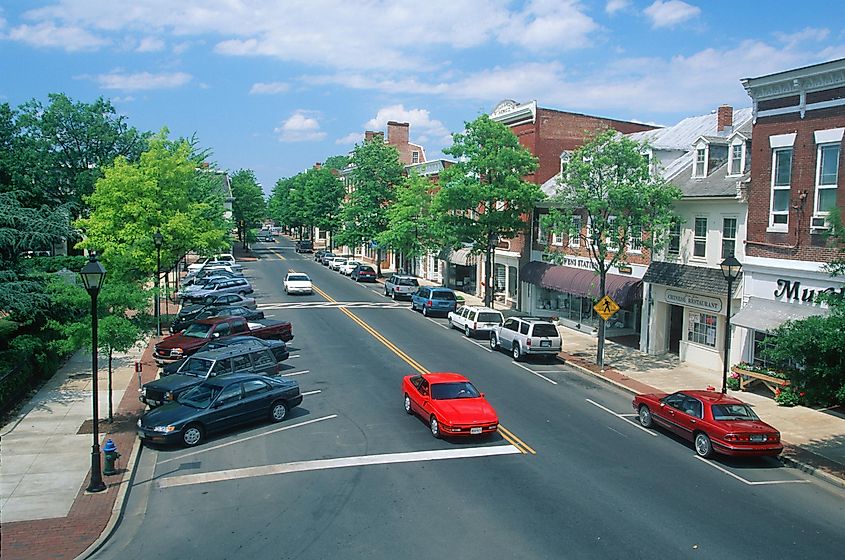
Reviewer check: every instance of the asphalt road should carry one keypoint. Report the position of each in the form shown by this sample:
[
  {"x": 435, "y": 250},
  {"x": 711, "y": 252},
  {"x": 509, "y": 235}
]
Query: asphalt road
[{"x": 349, "y": 475}]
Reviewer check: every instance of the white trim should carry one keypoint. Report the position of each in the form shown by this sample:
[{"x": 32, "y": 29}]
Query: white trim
[
  {"x": 828, "y": 186},
  {"x": 741, "y": 143},
  {"x": 828, "y": 136},
  {"x": 700, "y": 148},
  {"x": 773, "y": 188},
  {"x": 782, "y": 140}
]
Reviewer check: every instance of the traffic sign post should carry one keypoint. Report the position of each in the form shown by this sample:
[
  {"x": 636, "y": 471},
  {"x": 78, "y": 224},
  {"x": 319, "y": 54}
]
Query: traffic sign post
[{"x": 606, "y": 307}]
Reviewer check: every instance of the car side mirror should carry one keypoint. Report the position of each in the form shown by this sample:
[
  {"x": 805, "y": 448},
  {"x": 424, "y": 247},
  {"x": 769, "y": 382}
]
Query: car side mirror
[
  {"x": 215, "y": 335},
  {"x": 482, "y": 395}
]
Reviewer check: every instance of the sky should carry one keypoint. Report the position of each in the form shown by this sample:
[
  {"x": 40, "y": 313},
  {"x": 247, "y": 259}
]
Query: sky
[{"x": 276, "y": 86}]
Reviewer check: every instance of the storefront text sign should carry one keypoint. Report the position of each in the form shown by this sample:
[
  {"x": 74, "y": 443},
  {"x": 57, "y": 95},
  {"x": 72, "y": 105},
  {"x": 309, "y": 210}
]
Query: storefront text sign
[
  {"x": 693, "y": 300},
  {"x": 791, "y": 291}
]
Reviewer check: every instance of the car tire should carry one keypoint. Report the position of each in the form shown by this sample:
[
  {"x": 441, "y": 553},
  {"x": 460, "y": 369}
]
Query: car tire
[
  {"x": 467, "y": 331},
  {"x": 434, "y": 426},
  {"x": 703, "y": 445},
  {"x": 516, "y": 352},
  {"x": 644, "y": 415},
  {"x": 278, "y": 411},
  {"x": 425, "y": 311},
  {"x": 242, "y": 294},
  {"x": 494, "y": 341},
  {"x": 394, "y": 295},
  {"x": 192, "y": 435},
  {"x": 408, "y": 404}
]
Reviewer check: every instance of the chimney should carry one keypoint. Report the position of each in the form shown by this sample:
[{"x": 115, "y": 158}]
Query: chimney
[
  {"x": 318, "y": 165},
  {"x": 398, "y": 133},
  {"x": 725, "y": 119}
]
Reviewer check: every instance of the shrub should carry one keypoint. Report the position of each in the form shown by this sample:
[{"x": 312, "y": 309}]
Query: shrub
[
  {"x": 733, "y": 381},
  {"x": 788, "y": 396}
]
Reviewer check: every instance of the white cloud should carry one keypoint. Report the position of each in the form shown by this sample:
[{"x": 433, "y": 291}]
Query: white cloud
[
  {"x": 808, "y": 34},
  {"x": 150, "y": 44},
  {"x": 47, "y": 34},
  {"x": 268, "y": 88},
  {"x": 123, "y": 99},
  {"x": 420, "y": 120},
  {"x": 300, "y": 127},
  {"x": 669, "y": 13},
  {"x": 142, "y": 80},
  {"x": 546, "y": 24},
  {"x": 350, "y": 139},
  {"x": 614, "y": 6}
]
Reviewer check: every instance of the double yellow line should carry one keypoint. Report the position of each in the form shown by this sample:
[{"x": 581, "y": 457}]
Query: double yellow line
[{"x": 507, "y": 434}]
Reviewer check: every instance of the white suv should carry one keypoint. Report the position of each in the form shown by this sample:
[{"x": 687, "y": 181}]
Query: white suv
[
  {"x": 400, "y": 285},
  {"x": 474, "y": 320},
  {"x": 524, "y": 336}
]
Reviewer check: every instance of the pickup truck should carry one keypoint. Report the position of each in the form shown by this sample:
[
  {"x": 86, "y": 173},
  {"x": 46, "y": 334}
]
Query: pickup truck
[{"x": 185, "y": 343}]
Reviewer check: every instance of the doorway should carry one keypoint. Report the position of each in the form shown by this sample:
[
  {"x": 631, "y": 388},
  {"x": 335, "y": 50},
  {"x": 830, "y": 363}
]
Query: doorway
[{"x": 676, "y": 328}]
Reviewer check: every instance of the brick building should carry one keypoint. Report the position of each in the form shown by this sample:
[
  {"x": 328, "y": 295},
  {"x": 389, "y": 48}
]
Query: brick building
[{"x": 796, "y": 155}]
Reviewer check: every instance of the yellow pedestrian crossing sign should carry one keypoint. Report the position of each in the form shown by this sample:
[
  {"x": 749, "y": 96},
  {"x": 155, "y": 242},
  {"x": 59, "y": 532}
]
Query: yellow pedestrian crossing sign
[{"x": 606, "y": 307}]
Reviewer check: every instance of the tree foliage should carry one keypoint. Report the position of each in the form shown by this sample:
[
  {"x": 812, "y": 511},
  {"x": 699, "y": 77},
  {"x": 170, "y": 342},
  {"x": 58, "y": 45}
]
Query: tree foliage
[
  {"x": 412, "y": 226},
  {"x": 249, "y": 206},
  {"x": 323, "y": 193}
]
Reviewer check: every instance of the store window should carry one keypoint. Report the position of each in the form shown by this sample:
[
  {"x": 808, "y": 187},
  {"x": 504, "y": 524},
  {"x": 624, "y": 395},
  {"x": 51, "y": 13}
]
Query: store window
[
  {"x": 512, "y": 281},
  {"x": 702, "y": 329},
  {"x": 700, "y": 238}
]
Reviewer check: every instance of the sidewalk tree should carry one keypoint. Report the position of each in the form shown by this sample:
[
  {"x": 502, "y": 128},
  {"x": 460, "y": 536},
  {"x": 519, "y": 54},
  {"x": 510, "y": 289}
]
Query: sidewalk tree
[
  {"x": 484, "y": 197},
  {"x": 249, "y": 206},
  {"x": 324, "y": 193},
  {"x": 284, "y": 206},
  {"x": 117, "y": 333},
  {"x": 336, "y": 162},
  {"x": 607, "y": 186},
  {"x": 376, "y": 170},
  {"x": 411, "y": 227}
]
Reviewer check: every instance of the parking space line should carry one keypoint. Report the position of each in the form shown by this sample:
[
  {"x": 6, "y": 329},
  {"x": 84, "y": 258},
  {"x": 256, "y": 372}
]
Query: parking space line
[
  {"x": 338, "y": 463},
  {"x": 241, "y": 440},
  {"x": 621, "y": 417},
  {"x": 749, "y": 482},
  {"x": 529, "y": 370},
  {"x": 480, "y": 345},
  {"x": 306, "y": 393},
  {"x": 291, "y": 374},
  {"x": 293, "y": 356},
  {"x": 447, "y": 327}
]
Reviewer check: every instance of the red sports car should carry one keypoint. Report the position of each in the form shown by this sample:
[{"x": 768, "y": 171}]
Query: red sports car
[
  {"x": 712, "y": 421},
  {"x": 450, "y": 403}
]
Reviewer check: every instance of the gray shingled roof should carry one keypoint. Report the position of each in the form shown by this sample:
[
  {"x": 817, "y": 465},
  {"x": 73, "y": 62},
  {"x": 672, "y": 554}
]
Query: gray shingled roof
[
  {"x": 684, "y": 276},
  {"x": 681, "y": 136},
  {"x": 717, "y": 183}
]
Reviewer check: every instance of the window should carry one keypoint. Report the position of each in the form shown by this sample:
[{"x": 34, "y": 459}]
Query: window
[
  {"x": 700, "y": 162},
  {"x": 523, "y": 328},
  {"x": 253, "y": 387},
  {"x": 542, "y": 236},
  {"x": 510, "y": 324},
  {"x": 557, "y": 238},
  {"x": 736, "y": 159},
  {"x": 728, "y": 237},
  {"x": 575, "y": 232},
  {"x": 693, "y": 407},
  {"x": 512, "y": 281},
  {"x": 700, "y": 238},
  {"x": 263, "y": 358},
  {"x": 827, "y": 176},
  {"x": 230, "y": 394},
  {"x": 781, "y": 175},
  {"x": 612, "y": 235},
  {"x": 674, "y": 247},
  {"x": 636, "y": 243},
  {"x": 702, "y": 329},
  {"x": 415, "y": 157},
  {"x": 241, "y": 363},
  {"x": 222, "y": 367}
]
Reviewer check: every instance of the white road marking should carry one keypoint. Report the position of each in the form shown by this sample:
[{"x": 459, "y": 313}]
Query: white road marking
[
  {"x": 750, "y": 483},
  {"x": 447, "y": 327},
  {"x": 331, "y": 305},
  {"x": 617, "y": 431},
  {"x": 479, "y": 344},
  {"x": 342, "y": 462},
  {"x": 629, "y": 415},
  {"x": 540, "y": 375},
  {"x": 306, "y": 393},
  {"x": 262, "y": 434},
  {"x": 549, "y": 371},
  {"x": 621, "y": 417},
  {"x": 293, "y": 356},
  {"x": 291, "y": 374}
]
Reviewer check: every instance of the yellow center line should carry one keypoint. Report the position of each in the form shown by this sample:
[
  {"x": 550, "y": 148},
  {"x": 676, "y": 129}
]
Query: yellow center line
[{"x": 505, "y": 433}]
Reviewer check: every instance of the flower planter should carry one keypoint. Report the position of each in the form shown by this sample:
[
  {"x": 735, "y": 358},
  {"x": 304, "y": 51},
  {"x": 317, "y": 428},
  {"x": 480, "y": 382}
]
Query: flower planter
[{"x": 748, "y": 377}]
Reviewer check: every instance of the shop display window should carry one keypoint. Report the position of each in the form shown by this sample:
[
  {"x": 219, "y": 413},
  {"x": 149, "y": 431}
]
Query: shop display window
[
  {"x": 580, "y": 310},
  {"x": 702, "y": 329}
]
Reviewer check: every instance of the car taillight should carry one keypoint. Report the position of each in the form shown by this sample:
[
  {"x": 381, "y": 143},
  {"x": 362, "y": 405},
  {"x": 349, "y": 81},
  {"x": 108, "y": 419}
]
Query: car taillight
[
  {"x": 428, "y": 303},
  {"x": 528, "y": 343},
  {"x": 474, "y": 325}
]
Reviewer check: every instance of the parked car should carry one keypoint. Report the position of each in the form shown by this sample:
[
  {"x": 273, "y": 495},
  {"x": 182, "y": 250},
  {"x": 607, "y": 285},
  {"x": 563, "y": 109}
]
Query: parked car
[
  {"x": 278, "y": 347},
  {"x": 214, "y": 276},
  {"x": 347, "y": 267},
  {"x": 226, "y": 299},
  {"x": 298, "y": 283},
  {"x": 473, "y": 320},
  {"x": 524, "y": 336},
  {"x": 238, "y": 358},
  {"x": 239, "y": 286},
  {"x": 225, "y": 259},
  {"x": 363, "y": 273},
  {"x": 450, "y": 404},
  {"x": 434, "y": 299},
  {"x": 304, "y": 246},
  {"x": 265, "y": 236},
  {"x": 327, "y": 256},
  {"x": 318, "y": 255},
  {"x": 336, "y": 262},
  {"x": 178, "y": 346},
  {"x": 219, "y": 404},
  {"x": 400, "y": 285},
  {"x": 216, "y": 311},
  {"x": 714, "y": 422}
]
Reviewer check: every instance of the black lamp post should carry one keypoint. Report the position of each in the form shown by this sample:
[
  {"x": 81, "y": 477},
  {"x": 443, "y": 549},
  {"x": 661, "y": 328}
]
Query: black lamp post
[
  {"x": 731, "y": 269},
  {"x": 158, "y": 239},
  {"x": 93, "y": 274}
]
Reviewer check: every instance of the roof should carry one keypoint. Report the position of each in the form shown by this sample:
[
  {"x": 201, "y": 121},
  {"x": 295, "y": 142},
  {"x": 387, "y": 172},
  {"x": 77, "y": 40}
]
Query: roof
[
  {"x": 713, "y": 397},
  {"x": 682, "y": 135},
  {"x": 444, "y": 377},
  {"x": 684, "y": 276},
  {"x": 717, "y": 183},
  {"x": 766, "y": 315}
]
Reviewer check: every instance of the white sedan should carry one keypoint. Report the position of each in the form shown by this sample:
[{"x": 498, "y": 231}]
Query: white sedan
[
  {"x": 298, "y": 283},
  {"x": 347, "y": 268}
]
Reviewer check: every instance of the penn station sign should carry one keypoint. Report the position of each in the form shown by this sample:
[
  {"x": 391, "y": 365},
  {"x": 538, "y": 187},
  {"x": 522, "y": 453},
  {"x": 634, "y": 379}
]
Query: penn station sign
[{"x": 687, "y": 299}]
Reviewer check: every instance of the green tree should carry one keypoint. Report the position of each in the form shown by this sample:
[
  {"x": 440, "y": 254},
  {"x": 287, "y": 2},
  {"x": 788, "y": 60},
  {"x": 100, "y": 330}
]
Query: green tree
[
  {"x": 116, "y": 333},
  {"x": 607, "y": 185},
  {"x": 249, "y": 206},
  {"x": 336, "y": 162},
  {"x": 285, "y": 206},
  {"x": 484, "y": 196},
  {"x": 376, "y": 170},
  {"x": 323, "y": 194},
  {"x": 412, "y": 227}
]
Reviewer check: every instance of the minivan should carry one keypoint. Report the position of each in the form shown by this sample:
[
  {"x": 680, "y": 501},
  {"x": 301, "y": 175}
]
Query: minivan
[{"x": 434, "y": 300}]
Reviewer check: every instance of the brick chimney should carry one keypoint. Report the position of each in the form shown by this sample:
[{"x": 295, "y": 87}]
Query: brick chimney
[
  {"x": 725, "y": 118},
  {"x": 318, "y": 165},
  {"x": 368, "y": 135},
  {"x": 398, "y": 133}
]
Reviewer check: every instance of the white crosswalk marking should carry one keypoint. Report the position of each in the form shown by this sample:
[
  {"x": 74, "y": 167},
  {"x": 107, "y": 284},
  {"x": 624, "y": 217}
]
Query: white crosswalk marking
[{"x": 332, "y": 305}]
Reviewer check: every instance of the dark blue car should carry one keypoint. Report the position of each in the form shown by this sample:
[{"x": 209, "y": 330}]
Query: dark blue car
[{"x": 433, "y": 299}]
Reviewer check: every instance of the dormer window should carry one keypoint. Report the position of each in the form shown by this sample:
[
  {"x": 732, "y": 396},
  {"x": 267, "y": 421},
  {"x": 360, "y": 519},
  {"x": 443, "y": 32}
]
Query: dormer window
[
  {"x": 700, "y": 163},
  {"x": 415, "y": 157},
  {"x": 736, "y": 166}
]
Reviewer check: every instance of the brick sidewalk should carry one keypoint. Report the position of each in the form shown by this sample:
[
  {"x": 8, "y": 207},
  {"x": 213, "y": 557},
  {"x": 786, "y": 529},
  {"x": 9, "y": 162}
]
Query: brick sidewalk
[{"x": 68, "y": 537}]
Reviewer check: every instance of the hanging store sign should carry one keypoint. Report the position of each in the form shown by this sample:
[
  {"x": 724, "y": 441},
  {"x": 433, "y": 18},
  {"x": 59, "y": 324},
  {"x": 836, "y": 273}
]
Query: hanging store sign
[{"x": 693, "y": 300}]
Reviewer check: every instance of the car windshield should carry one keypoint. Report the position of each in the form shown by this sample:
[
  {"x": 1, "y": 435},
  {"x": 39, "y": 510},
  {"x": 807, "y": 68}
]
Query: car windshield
[
  {"x": 365, "y": 269},
  {"x": 456, "y": 390},
  {"x": 198, "y": 367},
  {"x": 448, "y": 296},
  {"x": 733, "y": 412},
  {"x": 298, "y": 278},
  {"x": 408, "y": 282},
  {"x": 487, "y": 317},
  {"x": 200, "y": 396},
  {"x": 197, "y": 330},
  {"x": 545, "y": 329}
]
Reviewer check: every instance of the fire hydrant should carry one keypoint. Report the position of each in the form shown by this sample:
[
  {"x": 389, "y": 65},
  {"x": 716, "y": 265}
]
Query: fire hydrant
[{"x": 111, "y": 455}]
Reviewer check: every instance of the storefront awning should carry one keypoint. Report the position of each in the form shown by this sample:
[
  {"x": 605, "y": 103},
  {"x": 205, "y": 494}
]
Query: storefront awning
[
  {"x": 767, "y": 315},
  {"x": 462, "y": 256},
  {"x": 624, "y": 290}
]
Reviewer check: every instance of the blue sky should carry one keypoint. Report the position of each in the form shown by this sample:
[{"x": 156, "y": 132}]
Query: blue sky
[{"x": 276, "y": 86}]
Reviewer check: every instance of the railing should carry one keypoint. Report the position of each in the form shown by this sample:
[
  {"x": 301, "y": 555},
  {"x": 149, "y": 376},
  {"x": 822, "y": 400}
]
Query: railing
[{"x": 748, "y": 378}]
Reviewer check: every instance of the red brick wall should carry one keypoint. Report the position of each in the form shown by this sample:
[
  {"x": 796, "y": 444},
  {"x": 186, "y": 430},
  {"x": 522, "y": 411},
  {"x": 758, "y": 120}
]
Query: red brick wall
[{"x": 797, "y": 243}]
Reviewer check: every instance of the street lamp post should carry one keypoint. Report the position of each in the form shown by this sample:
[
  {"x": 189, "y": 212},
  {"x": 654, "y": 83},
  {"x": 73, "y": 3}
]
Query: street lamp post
[
  {"x": 158, "y": 239},
  {"x": 93, "y": 274},
  {"x": 731, "y": 269}
]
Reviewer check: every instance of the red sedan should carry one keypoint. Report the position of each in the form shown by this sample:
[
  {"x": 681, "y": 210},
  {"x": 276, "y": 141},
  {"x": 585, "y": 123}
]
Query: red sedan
[
  {"x": 450, "y": 403},
  {"x": 712, "y": 421}
]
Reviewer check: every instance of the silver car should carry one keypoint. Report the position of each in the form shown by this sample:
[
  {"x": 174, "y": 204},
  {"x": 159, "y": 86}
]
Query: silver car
[
  {"x": 238, "y": 286},
  {"x": 525, "y": 336},
  {"x": 400, "y": 285}
]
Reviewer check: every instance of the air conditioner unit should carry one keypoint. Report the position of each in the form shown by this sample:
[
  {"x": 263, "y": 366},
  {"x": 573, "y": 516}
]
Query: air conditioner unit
[{"x": 818, "y": 222}]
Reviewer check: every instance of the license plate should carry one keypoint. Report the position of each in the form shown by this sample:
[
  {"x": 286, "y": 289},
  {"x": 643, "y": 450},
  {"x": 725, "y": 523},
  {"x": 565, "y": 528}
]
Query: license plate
[
  {"x": 545, "y": 343},
  {"x": 758, "y": 438},
  {"x": 475, "y": 431}
]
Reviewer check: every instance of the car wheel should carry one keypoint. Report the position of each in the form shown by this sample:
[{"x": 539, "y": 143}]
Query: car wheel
[
  {"x": 517, "y": 353},
  {"x": 407, "y": 404},
  {"x": 394, "y": 295},
  {"x": 192, "y": 434},
  {"x": 425, "y": 311},
  {"x": 703, "y": 445},
  {"x": 279, "y": 411},
  {"x": 208, "y": 300},
  {"x": 644, "y": 414},
  {"x": 468, "y": 331},
  {"x": 386, "y": 293},
  {"x": 434, "y": 426},
  {"x": 242, "y": 294},
  {"x": 494, "y": 341}
]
